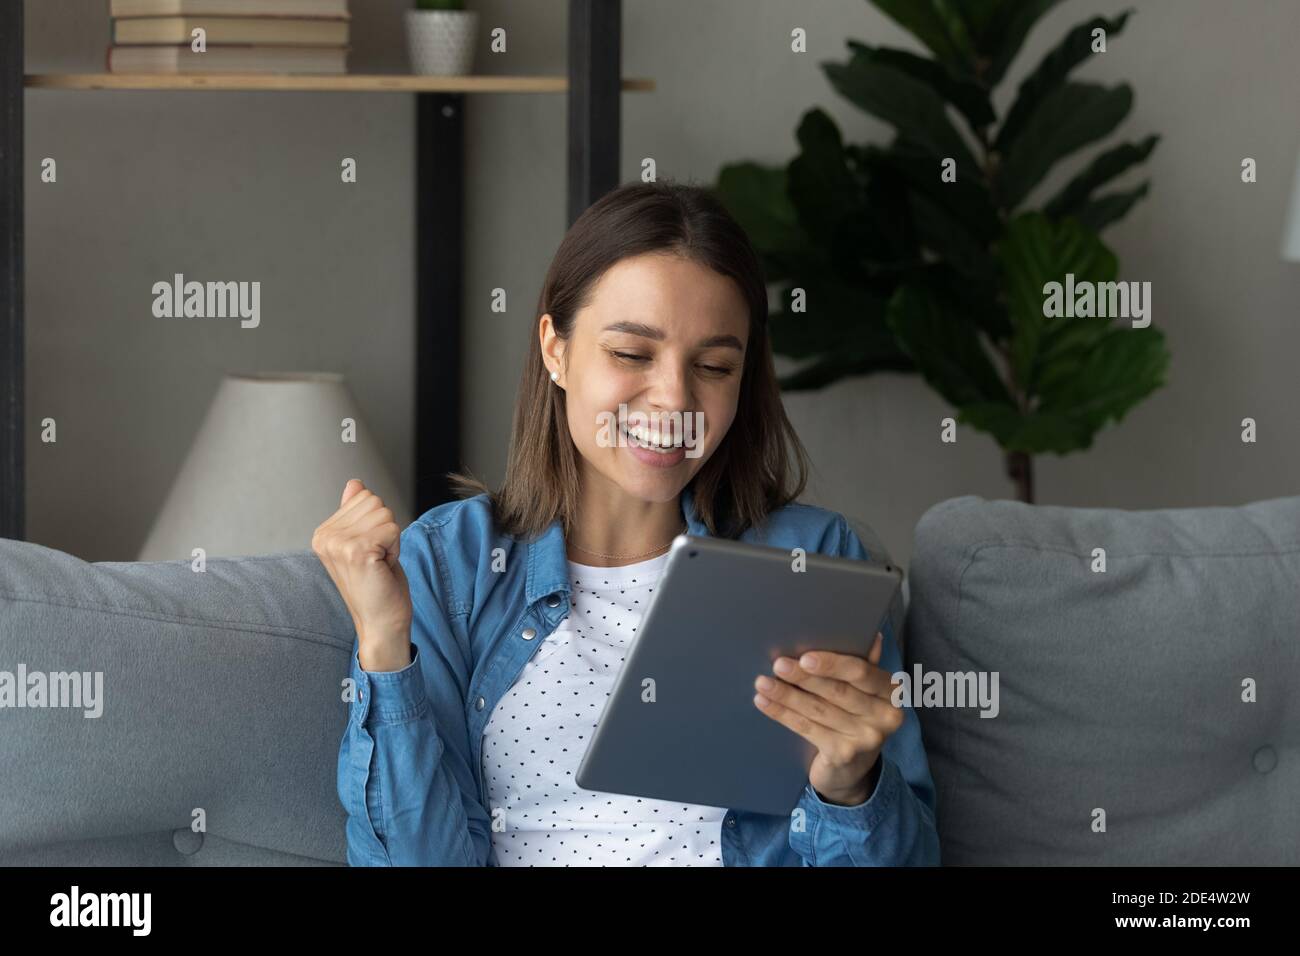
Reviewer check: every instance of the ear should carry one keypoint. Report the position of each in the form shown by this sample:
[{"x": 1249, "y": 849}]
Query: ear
[{"x": 552, "y": 347}]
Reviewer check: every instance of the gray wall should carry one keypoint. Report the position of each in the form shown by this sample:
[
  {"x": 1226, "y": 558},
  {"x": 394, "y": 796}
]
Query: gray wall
[
  {"x": 218, "y": 186},
  {"x": 246, "y": 185}
]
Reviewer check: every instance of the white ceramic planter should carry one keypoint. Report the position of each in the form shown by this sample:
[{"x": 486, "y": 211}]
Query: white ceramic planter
[{"x": 441, "y": 41}]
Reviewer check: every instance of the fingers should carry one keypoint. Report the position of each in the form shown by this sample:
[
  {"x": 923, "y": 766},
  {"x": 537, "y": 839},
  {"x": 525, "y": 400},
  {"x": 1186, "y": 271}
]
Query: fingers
[
  {"x": 811, "y": 706},
  {"x": 826, "y": 725},
  {"x": 359, "y": 497},
  {"x": 363, "y": 525},
  {"x": 822, "y": 737},
  {"x": 359, "y": 504},
  {"x": 842, "y": 694},
  {"x": 864, "y": 675},
  {"x": 376, "y": 515},
  {"x": 387, "y": 532},
  {"x": 351, "y": 488},
  {"x": 853, "y": 695},
  {"x": 873, "y": 655},
  {"x": 839, "y": 702}
]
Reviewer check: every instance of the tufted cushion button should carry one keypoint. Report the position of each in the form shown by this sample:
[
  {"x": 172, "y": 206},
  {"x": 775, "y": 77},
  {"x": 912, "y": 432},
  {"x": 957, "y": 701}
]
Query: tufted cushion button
[
  {"x": 186, "y": 841},
  {"x": 1265, "y": 759}
]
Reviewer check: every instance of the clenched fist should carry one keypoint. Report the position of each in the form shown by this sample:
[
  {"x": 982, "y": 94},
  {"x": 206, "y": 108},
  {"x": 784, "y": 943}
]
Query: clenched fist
[{"x": 358, "y": 545}]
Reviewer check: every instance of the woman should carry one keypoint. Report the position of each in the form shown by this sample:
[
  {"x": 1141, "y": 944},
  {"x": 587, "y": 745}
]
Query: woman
[{"x": 491, "y": 630}]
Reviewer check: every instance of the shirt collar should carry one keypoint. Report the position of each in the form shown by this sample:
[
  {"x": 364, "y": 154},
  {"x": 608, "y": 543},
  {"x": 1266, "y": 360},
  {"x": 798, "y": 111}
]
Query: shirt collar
[{"x": 548, "y": 561}]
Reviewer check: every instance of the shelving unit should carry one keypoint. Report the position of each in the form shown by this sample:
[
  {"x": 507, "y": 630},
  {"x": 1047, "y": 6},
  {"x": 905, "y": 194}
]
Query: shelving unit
[
  {"x": 593, "y": 88},
  {"x": 350, "y": 82}
]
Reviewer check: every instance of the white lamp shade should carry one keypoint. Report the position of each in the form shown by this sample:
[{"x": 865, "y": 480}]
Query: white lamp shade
[
  {"x": 267, "y": 467},
  {"x": 1291, "y": 236}
]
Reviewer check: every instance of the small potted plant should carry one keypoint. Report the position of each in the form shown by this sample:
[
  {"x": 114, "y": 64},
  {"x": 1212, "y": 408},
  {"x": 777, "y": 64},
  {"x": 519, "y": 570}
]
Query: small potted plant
[{"x": 440, "y": 37}]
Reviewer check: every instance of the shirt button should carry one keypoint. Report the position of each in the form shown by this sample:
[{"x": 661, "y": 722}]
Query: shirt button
[
  {"x": 361, "y": 695},
  {"x": 528, "y": 634},
  {"x": 479, "y": 704},
  {"x": 553, "y": 601},
  {"x": 731, "y": 821}
]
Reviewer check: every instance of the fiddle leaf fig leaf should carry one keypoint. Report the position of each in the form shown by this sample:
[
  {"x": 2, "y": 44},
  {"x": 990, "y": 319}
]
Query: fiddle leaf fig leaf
[
  {"x": 1052, "y": 71},
  {"x": 1068, "y": 118}
]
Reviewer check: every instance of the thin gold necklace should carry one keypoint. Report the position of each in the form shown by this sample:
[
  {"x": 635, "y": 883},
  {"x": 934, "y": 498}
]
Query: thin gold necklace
[{"x": 628, "y": 557}]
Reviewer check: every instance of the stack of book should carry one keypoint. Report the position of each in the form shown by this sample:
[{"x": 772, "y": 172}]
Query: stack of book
[{"x": 239, "y": 36}]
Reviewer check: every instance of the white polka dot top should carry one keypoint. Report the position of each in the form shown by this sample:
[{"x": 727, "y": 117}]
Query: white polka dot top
[{"x": 538, "y": 732}]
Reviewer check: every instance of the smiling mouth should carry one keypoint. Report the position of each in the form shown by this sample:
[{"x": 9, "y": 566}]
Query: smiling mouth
[{"x": 653, "y": 441}]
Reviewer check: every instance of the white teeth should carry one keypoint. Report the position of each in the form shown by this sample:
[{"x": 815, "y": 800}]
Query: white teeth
[{"x": 652, "y": 440}]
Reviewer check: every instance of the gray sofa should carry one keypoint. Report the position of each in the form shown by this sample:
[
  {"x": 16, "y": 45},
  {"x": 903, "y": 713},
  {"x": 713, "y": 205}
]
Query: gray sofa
[{"x": 1118, "y": 691}]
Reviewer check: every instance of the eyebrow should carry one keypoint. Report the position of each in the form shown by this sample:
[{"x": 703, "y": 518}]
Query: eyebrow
[{"x": 650, "y": 332}]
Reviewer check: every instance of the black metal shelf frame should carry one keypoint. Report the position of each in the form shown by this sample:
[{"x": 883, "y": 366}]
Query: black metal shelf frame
[{"x": 594, "y": 120}]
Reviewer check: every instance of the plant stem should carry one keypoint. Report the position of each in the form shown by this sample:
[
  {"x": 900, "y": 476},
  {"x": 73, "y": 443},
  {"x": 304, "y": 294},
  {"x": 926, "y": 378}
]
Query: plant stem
[
  {"x": 1020, "y": 469},
  {"x": 1019, "y": 464}
]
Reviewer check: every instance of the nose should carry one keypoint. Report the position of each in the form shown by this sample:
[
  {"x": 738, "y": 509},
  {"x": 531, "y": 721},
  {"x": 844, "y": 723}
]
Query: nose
[{"x": 670, "y": 388}]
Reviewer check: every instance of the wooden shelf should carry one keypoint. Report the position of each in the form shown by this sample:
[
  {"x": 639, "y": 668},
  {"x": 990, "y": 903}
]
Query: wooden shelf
[{"x": 346, "y": 82}]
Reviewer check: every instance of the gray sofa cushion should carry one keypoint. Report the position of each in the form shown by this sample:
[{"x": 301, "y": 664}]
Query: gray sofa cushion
[
  {"x": 221, "y": 691},
  {"x": 1119, "y": 690}
]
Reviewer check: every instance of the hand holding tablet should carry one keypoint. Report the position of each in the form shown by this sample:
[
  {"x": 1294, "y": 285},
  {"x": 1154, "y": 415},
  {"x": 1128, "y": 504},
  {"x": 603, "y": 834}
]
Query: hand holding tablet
[
  {"x": 841, "y": 704},
  {"x": 682, "y": 722}
]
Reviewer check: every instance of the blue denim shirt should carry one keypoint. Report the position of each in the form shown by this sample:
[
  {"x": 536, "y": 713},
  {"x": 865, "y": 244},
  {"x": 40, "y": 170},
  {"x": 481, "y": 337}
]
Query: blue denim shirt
[{"x": 410, "y": 772}]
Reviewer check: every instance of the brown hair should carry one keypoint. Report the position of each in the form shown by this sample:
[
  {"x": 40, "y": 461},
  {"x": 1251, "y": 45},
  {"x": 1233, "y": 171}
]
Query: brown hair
[{"x": 759, "y": 465}]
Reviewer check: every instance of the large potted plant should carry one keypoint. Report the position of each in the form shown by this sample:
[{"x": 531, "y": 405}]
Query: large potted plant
[
  {"x": 440, "y": 37},
  {"x": 923, "y": 255}
]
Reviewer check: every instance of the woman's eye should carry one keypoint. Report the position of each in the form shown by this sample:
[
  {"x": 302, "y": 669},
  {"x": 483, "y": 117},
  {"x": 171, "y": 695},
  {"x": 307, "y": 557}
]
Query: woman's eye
[{"x": 718, "y": 370}]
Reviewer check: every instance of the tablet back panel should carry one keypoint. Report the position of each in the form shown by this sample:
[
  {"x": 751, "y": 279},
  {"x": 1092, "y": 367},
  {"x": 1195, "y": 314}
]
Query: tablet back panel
[{"x": 722, "y": 613}]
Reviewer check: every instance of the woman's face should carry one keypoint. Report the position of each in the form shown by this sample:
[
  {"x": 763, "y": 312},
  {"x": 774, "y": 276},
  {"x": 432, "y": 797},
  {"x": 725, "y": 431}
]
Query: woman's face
[{"x": 665, "y": 339}]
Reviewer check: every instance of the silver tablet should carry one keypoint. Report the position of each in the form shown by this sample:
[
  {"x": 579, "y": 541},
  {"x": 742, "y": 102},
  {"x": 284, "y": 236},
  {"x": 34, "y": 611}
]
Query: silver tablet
[{"x": 680, "y": 723}]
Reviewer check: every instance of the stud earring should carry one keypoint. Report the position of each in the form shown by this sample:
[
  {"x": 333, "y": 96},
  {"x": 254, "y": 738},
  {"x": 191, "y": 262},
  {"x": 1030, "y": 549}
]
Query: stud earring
[{"x": 555, "y": 376}]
